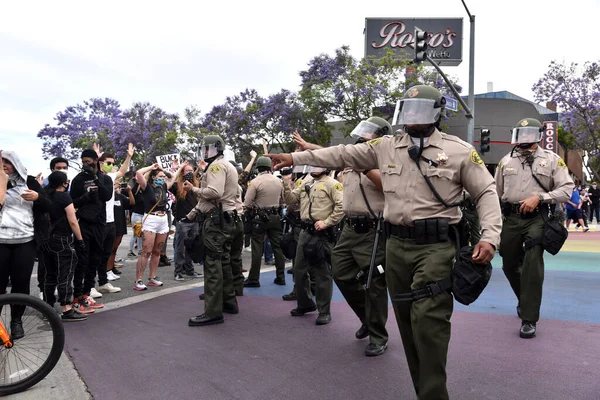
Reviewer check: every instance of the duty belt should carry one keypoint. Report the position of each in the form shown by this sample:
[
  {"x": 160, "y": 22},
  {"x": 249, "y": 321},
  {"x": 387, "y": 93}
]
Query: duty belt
[
  {"x": 514, "y": 208},
  {"x": 271, "y": 210},
  {"x": 401, "y": 231},
  {"x": 310, "y": 228},
  {"x": 363, "y": 221}
]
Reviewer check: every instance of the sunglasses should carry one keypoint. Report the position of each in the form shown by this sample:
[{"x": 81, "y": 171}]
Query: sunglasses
[{"x": 109, "y": 163}]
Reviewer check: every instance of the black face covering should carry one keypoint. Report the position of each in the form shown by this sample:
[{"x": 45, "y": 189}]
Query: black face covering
[
  {"x": 360, "y": 140},
  {"x": 88, "y": 169},
  {"x": 318, "y": 175},
  {"x": 189, "y": 176},
  {"x": 416, "y": 133},
  {"x": 525, "y": 145}
]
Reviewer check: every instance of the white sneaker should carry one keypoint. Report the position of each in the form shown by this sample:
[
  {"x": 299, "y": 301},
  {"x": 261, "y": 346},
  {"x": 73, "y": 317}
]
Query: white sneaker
[
  {"x": 108, "y": 288},
  {"x": 95, "y": 294},
  {"x": 111, "y": 276},
  {"x": 248, "y": 248},
  {"x": 139, "y": 285},
  {"x": 154, "y": 282},
  {"x": 41, "y": 296}
]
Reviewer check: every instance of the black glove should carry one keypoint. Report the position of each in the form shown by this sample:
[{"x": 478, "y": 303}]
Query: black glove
[{"x": 79, "y": 245}]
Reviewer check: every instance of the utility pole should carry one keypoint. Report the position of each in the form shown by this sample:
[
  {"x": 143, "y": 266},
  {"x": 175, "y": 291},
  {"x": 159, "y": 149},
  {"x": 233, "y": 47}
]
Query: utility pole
[{"x": 471, "y": 122}]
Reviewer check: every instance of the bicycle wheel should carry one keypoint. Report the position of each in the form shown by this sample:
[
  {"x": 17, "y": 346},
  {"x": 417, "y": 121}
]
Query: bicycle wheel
[{"x": 26, "y": 361}]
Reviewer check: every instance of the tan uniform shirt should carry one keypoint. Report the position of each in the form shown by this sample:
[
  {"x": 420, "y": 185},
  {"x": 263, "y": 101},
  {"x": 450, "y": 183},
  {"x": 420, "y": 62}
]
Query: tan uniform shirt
[
  {"x": 515, "y": 182},
  {"x": 354, "y": 201},
  {"x": 326, "y": 196},
  {"x": 264, "y": 191},
  {"x": 218, "y": 184},
  {"x": 293, "y": 207},
  {"x": 407, "y": 196},
  {"x": 239, "y": 205}
]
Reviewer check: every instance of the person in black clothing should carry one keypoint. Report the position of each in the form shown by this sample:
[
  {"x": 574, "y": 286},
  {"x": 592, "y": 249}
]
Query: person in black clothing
[
  {"x": 595, "y": 199},
  {"x": 122, "y": 202},
  {"x": 185, "y": 202},
  {"x": 59, "y": 252},
  {"x": 23, "y": 229},
  {"x": 90, "y": 192}
]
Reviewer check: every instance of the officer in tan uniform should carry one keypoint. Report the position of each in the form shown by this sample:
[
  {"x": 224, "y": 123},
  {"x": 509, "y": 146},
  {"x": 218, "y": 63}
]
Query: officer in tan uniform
[
  {"x": 363, "y": 202},
  {"x": 320, "y": 199},
  {"x": 216, "y": 211},
  {"x": 263, "y": 204},
  {"x": 523, "y": 201},
  {"x": 419, "y": 252}
]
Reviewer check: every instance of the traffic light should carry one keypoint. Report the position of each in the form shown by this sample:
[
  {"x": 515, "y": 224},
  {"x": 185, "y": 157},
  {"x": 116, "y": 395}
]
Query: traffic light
[
  {"x": 420, "y": 46},
  {"x": 484, "y": 142}
]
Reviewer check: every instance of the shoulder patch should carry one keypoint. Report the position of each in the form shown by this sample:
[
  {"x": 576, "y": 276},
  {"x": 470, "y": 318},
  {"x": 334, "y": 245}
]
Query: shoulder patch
[
  {"x": 338, "y": 186},
  {"x": 299, "y": 183},
  {"x": 215, "y": 169},
  {"x": 475, "y": 159},
  {"x": 375, "y": 141},
  {"x": 561, "y": 163},
  {"x": 321, "y": 186}
]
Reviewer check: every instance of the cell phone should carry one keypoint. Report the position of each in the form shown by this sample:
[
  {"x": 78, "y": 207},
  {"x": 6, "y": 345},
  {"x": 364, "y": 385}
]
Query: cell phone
[
  {"x": 92, "y": 188},
  {"x": 124, "y": 186}
]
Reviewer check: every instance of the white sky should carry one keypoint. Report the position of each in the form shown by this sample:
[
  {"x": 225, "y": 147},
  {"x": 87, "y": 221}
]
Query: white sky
[{"x": 174, "y": 54}]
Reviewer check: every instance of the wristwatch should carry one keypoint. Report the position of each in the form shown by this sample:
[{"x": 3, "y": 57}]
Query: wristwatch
[{"x": 541, "y": 197}]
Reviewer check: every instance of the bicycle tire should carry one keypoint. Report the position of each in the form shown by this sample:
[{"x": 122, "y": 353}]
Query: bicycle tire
[{"x": 58, "y": 335}]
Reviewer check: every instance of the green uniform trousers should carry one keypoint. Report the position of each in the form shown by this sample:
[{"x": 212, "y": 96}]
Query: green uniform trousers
[
  {"x": 218, "y": 283},
  {"x": 274, "y": 231},
  {"x": 321, "y": 273},
  {"x": 351, "y": 254},
  {"x": 525, "y": 274},
  {"x": 424, "y": 324},
  {"x": 237, "y": 244}
]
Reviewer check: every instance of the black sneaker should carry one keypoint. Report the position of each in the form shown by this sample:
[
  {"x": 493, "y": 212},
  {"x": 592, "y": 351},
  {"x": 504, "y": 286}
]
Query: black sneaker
[
  {"x": 73, "y": 316},
  {"x": 116, "y": 271},
  {"x": 179, "y": 277},
  {"x": 528, "y": 329},
  {"x": 16, "y": 330}
]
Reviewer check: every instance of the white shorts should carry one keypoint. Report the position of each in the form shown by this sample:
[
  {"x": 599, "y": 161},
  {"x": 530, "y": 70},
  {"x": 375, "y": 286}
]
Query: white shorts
[{"x": 156, "y": 224}]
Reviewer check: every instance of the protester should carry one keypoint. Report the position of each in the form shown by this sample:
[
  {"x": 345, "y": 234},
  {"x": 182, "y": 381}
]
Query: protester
[
  {"x": 122, "y": 202},
  {"x": 23, "y": 227},
  {"x": 155, "y": 227},
  {"x": 59, "y": 253}
]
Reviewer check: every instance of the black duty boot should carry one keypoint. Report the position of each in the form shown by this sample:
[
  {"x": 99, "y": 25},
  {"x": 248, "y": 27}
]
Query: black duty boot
[
  {"x": 323, "y": 319},
  {"x": 279, "y": 281},
  {"x": 231, "y": 310},
  {"x": 290, "y": 296},
  {"x": 374, "y": 350},
  {"x": 362, "y": 332},
  {"x": 300, "y": 311},
  {"x": 249, "y": 283},
  {"x": 16, "y": 329},
  {"x": 202, "y": 320},
  {"x": 201, "y": 296},
  {"x": 527, "y": 330}
]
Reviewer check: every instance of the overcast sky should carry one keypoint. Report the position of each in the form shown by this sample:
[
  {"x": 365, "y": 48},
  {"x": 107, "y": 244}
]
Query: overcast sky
[{"x": 175, "y": 54}]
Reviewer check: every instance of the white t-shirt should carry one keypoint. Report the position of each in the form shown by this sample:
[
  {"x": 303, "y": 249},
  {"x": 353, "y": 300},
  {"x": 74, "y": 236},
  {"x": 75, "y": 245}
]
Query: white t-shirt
[{"x": 110, "y": 204}]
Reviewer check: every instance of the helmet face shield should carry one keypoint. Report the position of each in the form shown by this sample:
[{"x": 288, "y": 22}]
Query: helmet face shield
[
  {"x": 206, "y": 151},
  {"x": 526, "y": 134},
  {"x": 416, "y": 111},
  {"x": 316, "y": 170},
  {"x": 365, "y": 130},
  {"x": 300, "y": 169}
]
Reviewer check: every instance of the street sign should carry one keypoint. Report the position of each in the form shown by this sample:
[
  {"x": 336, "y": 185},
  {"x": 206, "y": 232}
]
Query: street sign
[{"x": 451, "y": 103}]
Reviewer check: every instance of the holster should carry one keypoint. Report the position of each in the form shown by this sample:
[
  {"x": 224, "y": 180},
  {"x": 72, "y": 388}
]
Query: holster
[{"x": 432, "y": 230}]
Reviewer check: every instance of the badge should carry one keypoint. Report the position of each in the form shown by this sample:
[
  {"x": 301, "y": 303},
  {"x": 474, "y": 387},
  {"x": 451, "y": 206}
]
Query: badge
[
  {"x": 475, "y": 159},
  {"x": 561, "y": 163},
  {"x": 338, "y": 187},
  {"x": 321, "y": 187},
  {"x": 524, "y": 123},
  {"x": 543, "y": 163},
  {"x": 412, "y": 92},
  {"x": 442, "y": 159},
  {"x": 215, "y": 169}
]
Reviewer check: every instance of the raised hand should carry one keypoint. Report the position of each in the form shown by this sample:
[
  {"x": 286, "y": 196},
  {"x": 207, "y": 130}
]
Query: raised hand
[
  {"x": 281, "y": 160},
  {"x": 130, "y": 150}
]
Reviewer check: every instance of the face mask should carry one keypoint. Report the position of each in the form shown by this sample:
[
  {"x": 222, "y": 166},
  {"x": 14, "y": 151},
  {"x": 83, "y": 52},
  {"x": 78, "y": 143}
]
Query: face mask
[
  {"x": 66, "y": 186},
  {"x": 315, "y": 175},
  {"x": 425, "y": 132},
  {"x": 189, "y": 176},
  {"x": 88, "y": 169},
  {"x": 525, "y": 145},
  {"x": 159, "y": 181},
  {"x": 107, "y": 168}
]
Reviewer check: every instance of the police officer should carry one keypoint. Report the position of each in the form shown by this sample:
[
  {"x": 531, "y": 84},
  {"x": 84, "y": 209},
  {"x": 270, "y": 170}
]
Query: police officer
[
  {"x": 320, "y": 199},
  {"x": 263, "y": 204},
  {"x": 419, "y": 253},
  {"x": 523, "y": 201},
  {"x": 216, "y": 210},
  {"x": 362, "y": 204}
]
